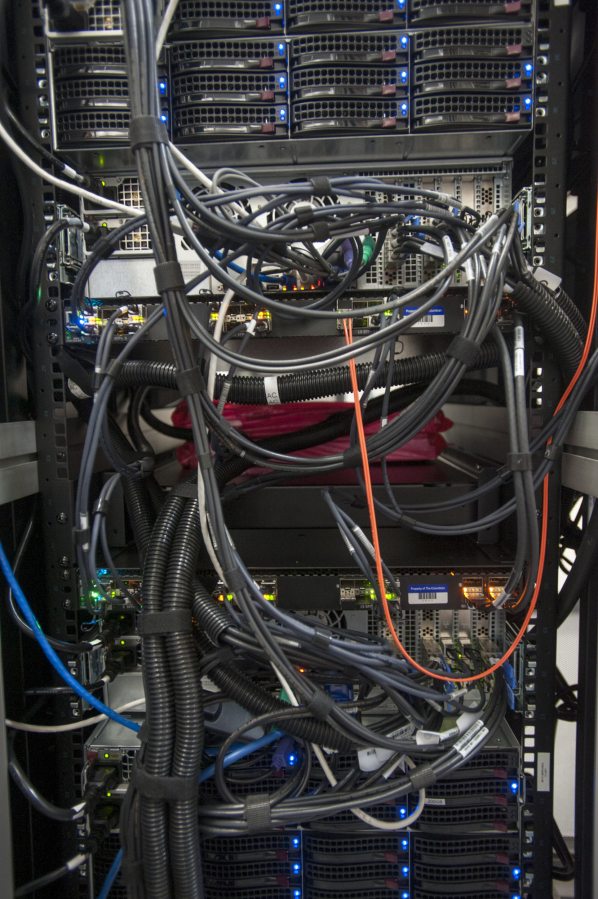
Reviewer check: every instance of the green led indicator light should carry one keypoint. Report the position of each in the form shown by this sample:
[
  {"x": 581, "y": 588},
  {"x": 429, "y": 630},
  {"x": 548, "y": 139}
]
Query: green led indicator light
[
  {"x": 123, "y": 642},
  {"x": 106, "y": 755}
]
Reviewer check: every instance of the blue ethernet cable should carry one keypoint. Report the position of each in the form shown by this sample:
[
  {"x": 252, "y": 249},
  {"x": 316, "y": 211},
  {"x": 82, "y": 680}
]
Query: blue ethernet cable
[
  {"x": 49, "y": 653},
  {"x": 208, "y": 772}
]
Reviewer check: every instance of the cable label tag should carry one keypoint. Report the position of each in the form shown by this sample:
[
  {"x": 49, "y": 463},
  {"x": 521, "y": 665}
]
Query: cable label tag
[
  {"x": 471, "y": 739},
  {"x": 433, "y": 318},
  {"x": 434, "y": 800},
  {"x": 271, "y": 388},
  {"x": 468, "y": 270},
  {"x": 427, "y": 594},
  {"x": 448, "y": 248},
  {"x": 374, "y": 757}
]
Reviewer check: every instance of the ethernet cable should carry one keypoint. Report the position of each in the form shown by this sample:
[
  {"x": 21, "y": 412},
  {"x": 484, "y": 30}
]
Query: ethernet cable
[{"x": 50, "y": 653}]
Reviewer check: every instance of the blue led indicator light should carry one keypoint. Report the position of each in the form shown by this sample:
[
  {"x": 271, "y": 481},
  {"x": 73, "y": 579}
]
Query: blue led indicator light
[
  {"x": 405, "y": 844},
  {"x": 528, "y": 68},
  {"x": 162, "y": 87},
  {"x": 283, "y": 114},
  {"x": 282, "y": 81},
  {"x": 516, "y": 872},
  {"x": 528, "y": 102},
  {"x": 403, "y": 109},
  {"x": 292, "y": 760},
  {"x": 402, "y": 812},
  {"x": 403, "y": 76},
  {"x": 296, "y": 869},
  {"x": 404, "y": 895},
  {"x": 405, "y": 870},
  {"x": 516, "y": 896},
  {"x": 295, "y": 842},
  {"x": 404, "y": 40},
  {"x": 296, "y": 894},
  {"x": 401, "y": 4},
  {"x": 514, "y": 786},
  {"x": 278, "y": 7},
  {"x": 281, "y": 49},
  {"x": 163, "y": 117}
]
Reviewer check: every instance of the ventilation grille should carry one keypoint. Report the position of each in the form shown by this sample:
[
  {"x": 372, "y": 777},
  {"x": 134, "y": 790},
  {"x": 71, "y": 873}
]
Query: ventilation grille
[
  {"x": 481, "y": 894},
  {"x": 349, "y": 115},
  {"x": 362, "y": 13},
  {"x": 69, "y": 59},
  {"x": 350, "y": 845},
  {"x": 484, "y": 9},
  {"x": 462, "y": 110},
  {"x": 227, "y": 15},
  {"x": 347, "y": 871},
  {"x": 100, "y": 125},
  {"x": 137, "y": 241},
  {"x": 460, "y": 873},
  {"x": 229, "y": 847},
  {"x": 447, "y": 817},
  {"x": 370, "y": 48},
  {"x": 104, "y": 15},
  {"x": 102, "y": 860},
  {"x": 453, "y": 788},
  {"x": 200, "y": 83},
  {"x": 82, "y": 90},
  {"x": 445, "y": 40},
  {"x": 249, "y": 119},
  {"x": 204, "y": 54},
  {"x": 450, "y": 847},
  {"x": 346, "y": 77},
  {"x": 467, "y": 70}
]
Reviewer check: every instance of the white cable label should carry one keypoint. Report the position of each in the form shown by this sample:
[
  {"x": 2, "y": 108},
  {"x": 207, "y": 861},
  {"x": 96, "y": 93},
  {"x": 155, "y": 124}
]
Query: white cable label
[
  {"x": 471, "y": 739},
  {"x": 448, "y": 248},
  {"x": 468, "y": 270},
  {"x": 271, "y": 388},
  {"x": 519, "y": 354},
  {"x": 374, "y": 757}
]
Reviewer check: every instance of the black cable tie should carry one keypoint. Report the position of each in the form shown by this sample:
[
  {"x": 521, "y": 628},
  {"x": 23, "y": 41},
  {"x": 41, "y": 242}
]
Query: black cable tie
[
  {"x": 422, "y": 776},
  {"x": 169, "y": 276},
  {"x": 304, "y": 213},
  {"x": 320, "y": 230},
  {"x": 553, "y": 452},
  {"x": 463, "y": 350},
  {"x": 170, "y": 621},
  {"x": 258, "y": 814},
  {"x": 188, "y": 489},
  {"x": 204, "y": 460},
  {"x": 81, "y": 536},
  {"x": 163, "y": 787},
  {"x": 146, "y": 130},
  {"x": 320, "y": 705},
  {"x": 520, "y": 461},
  {"x": 234, "y": 579},
  {"x": 321, "y": 187},
  {"x": 190, "y": 381},
  {"x": 221, "y": 657}
]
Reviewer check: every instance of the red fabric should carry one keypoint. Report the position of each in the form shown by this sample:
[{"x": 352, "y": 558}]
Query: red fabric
[{"x": 259, "y": 422}]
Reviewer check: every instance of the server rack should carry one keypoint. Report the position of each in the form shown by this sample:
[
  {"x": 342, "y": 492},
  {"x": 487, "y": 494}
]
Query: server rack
[{"x": 98, "y": 151}]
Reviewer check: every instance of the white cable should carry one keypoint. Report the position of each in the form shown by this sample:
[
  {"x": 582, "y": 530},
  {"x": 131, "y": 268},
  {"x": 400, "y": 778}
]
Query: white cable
[
  {"x": 359, "y": 813},
  {"x": 200, "y": 176},
  {"x": 205, "y": 527},
  {"x": 163, "y": 30},
  {"x": 220, "y": 321},
  {"x": 64, "y": 728}
]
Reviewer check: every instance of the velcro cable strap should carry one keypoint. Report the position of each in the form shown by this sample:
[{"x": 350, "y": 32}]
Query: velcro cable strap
[
  {"x": 304, "y": 214},
  {"x": 463, "y": 350},
  {"x": 165, "y": 788},
  {"x": 146, "y": 130},
  {"x": 258, "y": 814},
  {"x": 520, "y": 461},
  {"x": 422, "y": 776},
  {"x": 321, "y": 187},
  {"x": 320, "y": 230},
  {"x": 188, "y": 489},
  {"x": 81, "y": 536},
  {"x": 320, "y": 705},
  {"x": 169, "y": 276},
  {"x": 171, "y": 621},
  {"x": 234, "y": 579},
  {"x": 190, "y": 381}
]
